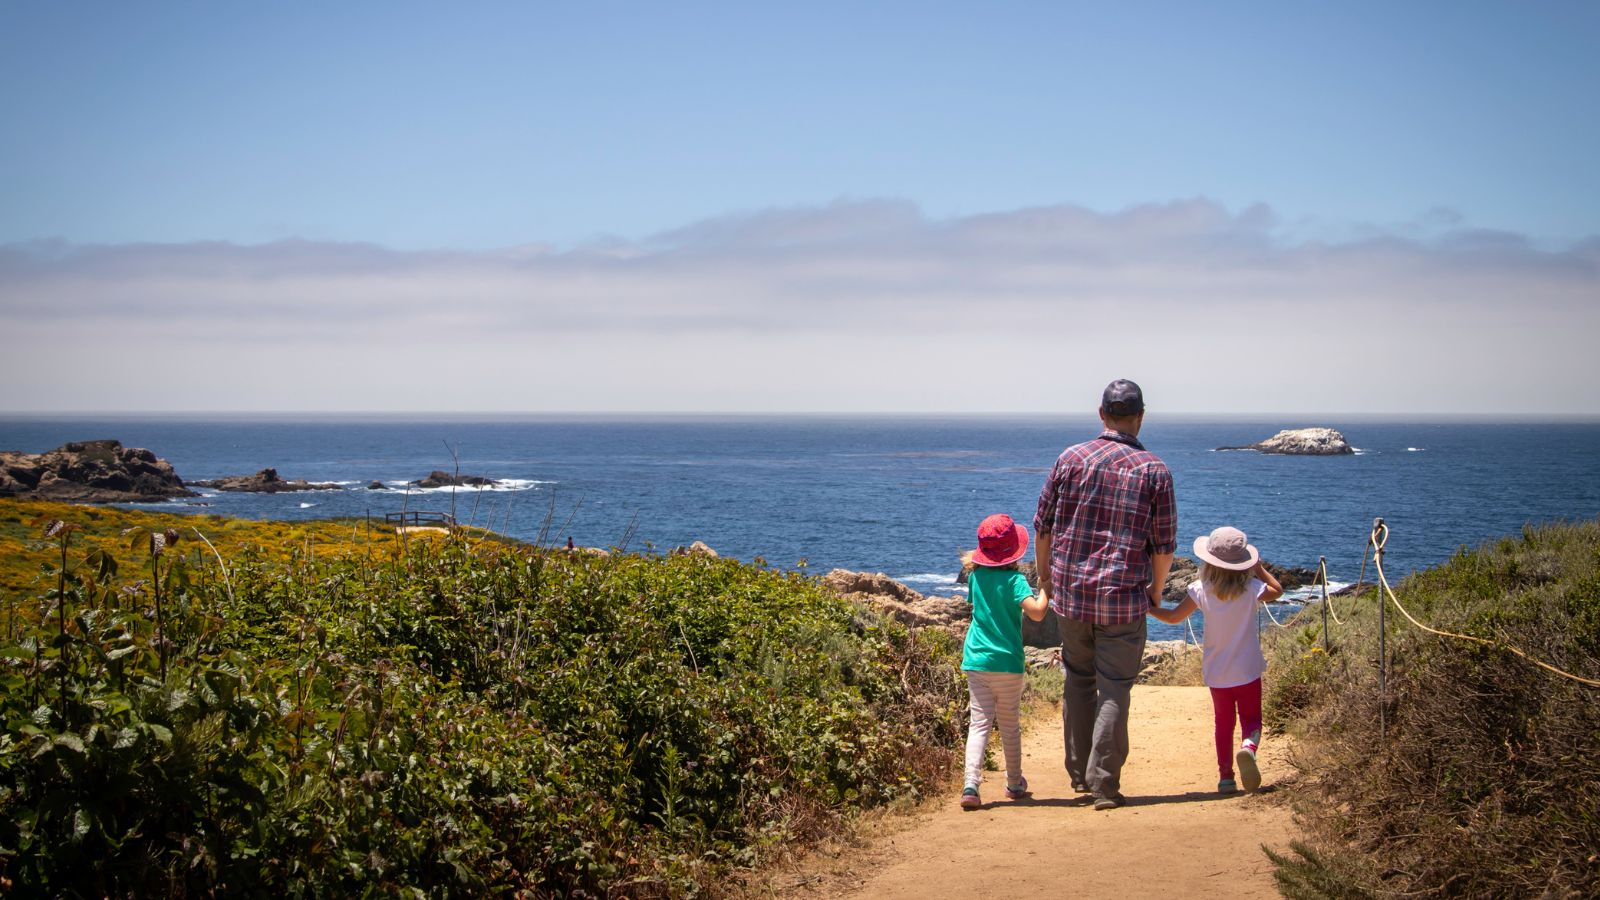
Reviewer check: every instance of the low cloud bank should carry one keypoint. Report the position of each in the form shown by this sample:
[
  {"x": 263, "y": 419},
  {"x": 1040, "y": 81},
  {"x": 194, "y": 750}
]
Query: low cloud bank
[{"x": 853, "y": 306}]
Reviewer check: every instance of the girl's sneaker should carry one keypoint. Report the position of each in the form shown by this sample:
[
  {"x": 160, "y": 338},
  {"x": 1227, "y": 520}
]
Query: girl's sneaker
[
  {"x": 1018, "y": 791},
  {"x": 1249, "y": 772},
  {"x": 969, "y": 797},
  {"x": 1226, "y": 786}
]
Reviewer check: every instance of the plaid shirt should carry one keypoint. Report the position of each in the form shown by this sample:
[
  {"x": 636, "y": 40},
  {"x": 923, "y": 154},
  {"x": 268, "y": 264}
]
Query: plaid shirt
[{"x": 1109, "y": 507}]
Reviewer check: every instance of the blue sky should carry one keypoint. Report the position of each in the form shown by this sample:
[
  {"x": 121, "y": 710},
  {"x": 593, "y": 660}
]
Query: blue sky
[{"x": 565, "y": 132}]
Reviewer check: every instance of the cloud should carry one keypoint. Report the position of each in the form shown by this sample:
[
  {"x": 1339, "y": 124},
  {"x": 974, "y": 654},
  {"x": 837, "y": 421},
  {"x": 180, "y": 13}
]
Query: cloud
[{"x": 857, "y": 305}]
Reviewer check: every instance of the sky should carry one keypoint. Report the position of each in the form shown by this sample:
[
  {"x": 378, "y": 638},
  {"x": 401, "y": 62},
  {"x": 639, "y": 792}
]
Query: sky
[{"x": 1318, "y": 209}]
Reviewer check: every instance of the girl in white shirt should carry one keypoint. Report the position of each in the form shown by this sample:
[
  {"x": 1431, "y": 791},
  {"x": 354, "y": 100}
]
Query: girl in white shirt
[{"x": 1233, "y": 579}]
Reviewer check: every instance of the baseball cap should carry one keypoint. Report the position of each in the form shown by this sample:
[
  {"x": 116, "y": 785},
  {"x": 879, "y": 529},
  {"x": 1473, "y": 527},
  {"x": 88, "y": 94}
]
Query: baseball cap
[{"x": 1122, "y": 398}]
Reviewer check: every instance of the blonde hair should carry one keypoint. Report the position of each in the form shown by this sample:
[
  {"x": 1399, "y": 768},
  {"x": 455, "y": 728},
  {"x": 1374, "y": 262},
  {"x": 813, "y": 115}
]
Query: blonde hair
[
  {"x": 968, "y": 564},
  {"x": 1224, "y": 584}
]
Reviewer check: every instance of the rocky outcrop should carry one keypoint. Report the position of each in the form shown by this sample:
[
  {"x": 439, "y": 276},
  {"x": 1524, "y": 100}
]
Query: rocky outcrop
[
  {"x": 265, "y": 481},
  {"x": 90, "y": 472},
  {"x": 1186, "y": 570},
  {"x": 377, "y": 486},
  {"x": 901, "y": 603},
  {"x": 698, "y": 548},
  {"x": 845, "y": 583},
  {"x": 1302, "y": 442},
  {"x": 904, "y": 604},
  {"x": 437, "y": 479}
]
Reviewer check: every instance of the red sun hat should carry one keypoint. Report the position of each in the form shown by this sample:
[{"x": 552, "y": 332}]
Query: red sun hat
[{"x": 1000, "y": 541}]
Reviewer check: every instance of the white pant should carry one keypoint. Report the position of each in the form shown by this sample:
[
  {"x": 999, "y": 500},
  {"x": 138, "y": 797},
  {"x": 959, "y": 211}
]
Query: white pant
[{"x": 995, "y": 699}]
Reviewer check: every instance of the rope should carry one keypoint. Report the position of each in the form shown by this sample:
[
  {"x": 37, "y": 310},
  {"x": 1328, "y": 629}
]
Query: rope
[
  {"x": 1189, "y": 622},
  {"x": 1268, "y": 608},
  {"x": 1376, "y": 543},
  {"x": 1322, "y": 574}
]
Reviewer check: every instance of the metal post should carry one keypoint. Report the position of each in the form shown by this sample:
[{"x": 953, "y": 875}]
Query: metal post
[
  {"x": 1322, "y": 572},
  {"x": 1383, "y": 642}
]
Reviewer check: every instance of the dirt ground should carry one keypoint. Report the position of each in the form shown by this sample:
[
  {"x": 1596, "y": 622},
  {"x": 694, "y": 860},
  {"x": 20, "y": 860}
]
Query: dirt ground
[{"x": 1176, "y": 837}]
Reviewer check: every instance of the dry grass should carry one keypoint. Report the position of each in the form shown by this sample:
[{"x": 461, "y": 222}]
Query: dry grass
[
  {"x": 1178, "y": 669},
  {"x": 1474, "y": 773}
]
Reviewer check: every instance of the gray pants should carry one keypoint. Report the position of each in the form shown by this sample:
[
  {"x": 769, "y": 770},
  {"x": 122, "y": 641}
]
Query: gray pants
[{"x": 1102, "y": 662}]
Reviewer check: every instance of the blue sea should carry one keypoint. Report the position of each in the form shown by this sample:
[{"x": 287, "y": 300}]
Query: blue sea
[{"x": 899, "y": 495}]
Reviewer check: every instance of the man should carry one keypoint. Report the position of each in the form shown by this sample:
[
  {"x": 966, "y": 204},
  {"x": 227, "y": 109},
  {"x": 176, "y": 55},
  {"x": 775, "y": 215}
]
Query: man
[{"x": 1108, "y": 516}]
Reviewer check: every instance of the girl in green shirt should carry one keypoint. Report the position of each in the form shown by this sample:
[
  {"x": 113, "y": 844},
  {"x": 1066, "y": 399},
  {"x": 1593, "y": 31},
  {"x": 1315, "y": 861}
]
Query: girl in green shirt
[{"x": 992, "y": 655}]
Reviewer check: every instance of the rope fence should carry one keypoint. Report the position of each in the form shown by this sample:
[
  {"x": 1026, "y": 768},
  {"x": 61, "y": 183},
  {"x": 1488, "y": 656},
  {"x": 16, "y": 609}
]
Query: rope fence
[{"x": 1377, "y": 541}]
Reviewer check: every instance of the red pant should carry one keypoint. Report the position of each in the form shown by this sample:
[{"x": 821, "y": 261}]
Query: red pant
[{"x": 1246, "y": 699}]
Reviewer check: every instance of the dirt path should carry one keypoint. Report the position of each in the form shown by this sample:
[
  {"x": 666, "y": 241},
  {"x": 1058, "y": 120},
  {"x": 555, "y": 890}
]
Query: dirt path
[{"x": 1176, "y": 837}]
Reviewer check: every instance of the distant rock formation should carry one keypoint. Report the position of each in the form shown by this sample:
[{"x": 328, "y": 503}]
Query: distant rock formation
[
  {"x": 438, "y": 479},
  {"x": 377, "y": 486},
  {"x": 1302, "y": 442},
  {"x": 89, "y": 472},
  {"x": 265, "y": 481}
]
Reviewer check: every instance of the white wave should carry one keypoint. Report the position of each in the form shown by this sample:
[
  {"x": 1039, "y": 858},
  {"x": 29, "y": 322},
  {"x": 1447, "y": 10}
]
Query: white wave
[
  {"x": 932, "y": 583},
  {"x": 926, "y": 578},
  {"x": 1415, "y": 449},
  {"x": 307, "y": 505},
  {"x": 1313, "y": 592},
  {"x": 1358, "y": 451},
  {"x": 502, "y": 485}
]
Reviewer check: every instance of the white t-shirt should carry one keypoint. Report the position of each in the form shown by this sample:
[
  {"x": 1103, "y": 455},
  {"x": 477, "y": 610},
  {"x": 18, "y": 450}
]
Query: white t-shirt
[{"x": 1232, "y": 650}]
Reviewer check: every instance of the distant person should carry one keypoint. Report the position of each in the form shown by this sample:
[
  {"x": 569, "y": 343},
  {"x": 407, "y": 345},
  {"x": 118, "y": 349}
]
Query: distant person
[
  {"x": 570, "y": 545},
  {"x": 992, "y": 655},
  {"x": 1233, "y": 579},
  {"x": 1107, "y": 525}
]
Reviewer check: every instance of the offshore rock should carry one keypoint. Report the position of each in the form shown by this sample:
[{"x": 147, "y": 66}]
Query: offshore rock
[
  {"x": 265, "y": 481},
  {"x": 89, "y": 472},
  {"x": 1302, "y": 442},
  {"x": 437, "y": 478}
]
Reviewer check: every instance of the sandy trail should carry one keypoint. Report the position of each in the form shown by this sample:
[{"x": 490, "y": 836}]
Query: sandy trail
[{"x": 1176, "y": 837}]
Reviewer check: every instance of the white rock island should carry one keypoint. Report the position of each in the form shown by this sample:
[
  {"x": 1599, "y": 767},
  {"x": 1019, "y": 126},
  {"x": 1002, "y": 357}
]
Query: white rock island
[{"x": 1302, "y": 442}]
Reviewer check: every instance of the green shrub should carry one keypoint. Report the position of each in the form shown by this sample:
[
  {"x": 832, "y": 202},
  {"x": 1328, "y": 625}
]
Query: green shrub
[{"x": 453, "y": 718}]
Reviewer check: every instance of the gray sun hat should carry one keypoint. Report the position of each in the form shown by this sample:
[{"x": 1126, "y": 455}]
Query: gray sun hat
[{"x": 1227, "y": 548}]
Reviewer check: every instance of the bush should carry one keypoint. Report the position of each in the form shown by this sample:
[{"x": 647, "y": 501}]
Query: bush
[
  {"x": 445, "y": 719},
  {"x": 1476, "y": 773}
]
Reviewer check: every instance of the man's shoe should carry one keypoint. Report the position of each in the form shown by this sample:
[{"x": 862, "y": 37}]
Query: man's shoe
[
  {"x": 1104, "y": 803},
  {"x": 1249, "y": 773},
  {"x": 1018, "y": 791},
  {"x": 969, "y": 797}
]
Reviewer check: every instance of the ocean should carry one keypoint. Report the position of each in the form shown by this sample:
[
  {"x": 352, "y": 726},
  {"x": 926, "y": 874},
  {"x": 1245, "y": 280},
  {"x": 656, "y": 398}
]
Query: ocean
[{"x": 895, "y": 494}]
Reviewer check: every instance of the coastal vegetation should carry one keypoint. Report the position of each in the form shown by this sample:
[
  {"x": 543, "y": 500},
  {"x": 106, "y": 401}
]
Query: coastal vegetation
[
  {"x": 1462, "y": 768},
  {"x": 197, "y": 706}
]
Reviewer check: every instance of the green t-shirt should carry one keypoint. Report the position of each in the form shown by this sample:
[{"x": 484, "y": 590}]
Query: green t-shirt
[{"x": 994, "y": 639}]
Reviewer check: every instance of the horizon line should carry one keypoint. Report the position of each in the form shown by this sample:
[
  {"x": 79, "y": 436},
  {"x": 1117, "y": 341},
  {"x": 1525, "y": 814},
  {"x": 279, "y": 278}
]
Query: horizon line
[{"x": 1543, "y": 416}]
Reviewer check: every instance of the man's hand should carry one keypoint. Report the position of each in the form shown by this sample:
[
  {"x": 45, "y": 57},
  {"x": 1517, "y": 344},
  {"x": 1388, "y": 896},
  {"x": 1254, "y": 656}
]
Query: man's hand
[{"x": 1041, "y": 564}]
